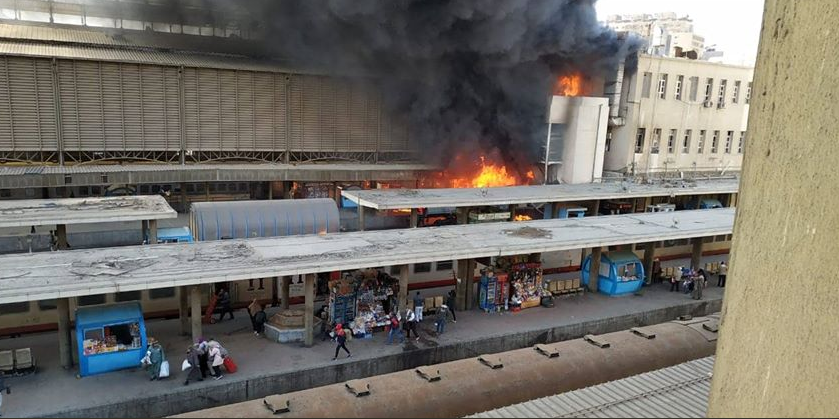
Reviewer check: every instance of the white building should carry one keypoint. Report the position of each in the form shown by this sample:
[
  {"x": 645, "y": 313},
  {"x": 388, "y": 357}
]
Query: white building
[
  {"x": 577, "y": 139},
  {"x": 679, "y": 116},
  {"x": 666, "y": 33}
]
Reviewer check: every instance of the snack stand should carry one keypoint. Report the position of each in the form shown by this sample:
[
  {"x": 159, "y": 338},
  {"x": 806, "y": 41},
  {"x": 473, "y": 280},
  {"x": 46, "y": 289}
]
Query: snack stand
[
  {"x": 110, "y": 337},
  {"x": 621, "y": 272},
  {"x": 362, "y": 301}
]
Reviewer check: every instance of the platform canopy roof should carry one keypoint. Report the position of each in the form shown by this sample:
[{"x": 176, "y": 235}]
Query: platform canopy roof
[
  {"x": 37, "y": 276},
  {"x": 382, "y": 199},
  {"x": 38, "y": 212}
]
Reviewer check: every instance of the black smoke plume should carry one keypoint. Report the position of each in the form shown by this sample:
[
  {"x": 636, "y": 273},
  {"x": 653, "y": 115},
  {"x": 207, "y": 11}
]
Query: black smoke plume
[{"x": 469, "y": 76}]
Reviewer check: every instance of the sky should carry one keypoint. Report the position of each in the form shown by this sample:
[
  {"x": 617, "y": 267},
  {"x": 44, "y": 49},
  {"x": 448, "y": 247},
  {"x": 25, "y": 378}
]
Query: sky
[{"x": 733, "y": 25}]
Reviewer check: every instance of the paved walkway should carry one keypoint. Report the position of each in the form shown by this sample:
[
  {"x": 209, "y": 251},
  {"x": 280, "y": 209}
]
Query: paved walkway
[{"x": 53, "y": 390}]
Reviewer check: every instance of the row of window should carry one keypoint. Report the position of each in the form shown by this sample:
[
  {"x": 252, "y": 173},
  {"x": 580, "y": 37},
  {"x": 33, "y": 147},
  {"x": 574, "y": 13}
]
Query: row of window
[
  {"x": 682, "y": 242},
  {"x": 420, "y": 268},
  {"x": 684, "y": 143},
  {"x": 693, "y": 94},
  {"x": 89, "y": 300}
]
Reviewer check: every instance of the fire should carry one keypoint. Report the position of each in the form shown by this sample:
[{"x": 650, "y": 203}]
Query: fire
[
  {"x": 484, "y": 172},
  {"x": 522, "y": 217},
  {"x": 571, "y": 85},
  {"x": 491, "y": 175}
]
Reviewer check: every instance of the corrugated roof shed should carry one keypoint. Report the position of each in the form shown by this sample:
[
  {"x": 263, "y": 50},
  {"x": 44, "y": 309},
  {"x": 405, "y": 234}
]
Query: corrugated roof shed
[{"x": 680, "y": 391}]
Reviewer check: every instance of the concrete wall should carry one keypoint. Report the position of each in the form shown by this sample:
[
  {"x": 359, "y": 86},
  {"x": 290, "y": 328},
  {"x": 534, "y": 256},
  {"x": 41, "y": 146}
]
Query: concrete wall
[
  {"x": 779, "y": 334},
  {"x": 187, "y": 399},
  {"x": 683, "y": 114},
  {"x": 584, "y": 140}
]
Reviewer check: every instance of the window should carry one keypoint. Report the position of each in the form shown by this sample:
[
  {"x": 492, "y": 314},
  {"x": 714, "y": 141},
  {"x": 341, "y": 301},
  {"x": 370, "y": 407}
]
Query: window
[
  {"x": 45, "y": 305},
  {"x": 656, "y": 141},
  {"x": 686, "y": 142},
  {"x": 639, "y": 140},
  {"x": 721, "y": 96},
  {"x": 735, "y": 97},
  {"x": 709, "y": 85},
  {"x": 89, "y": 300},
  {"x": 662, "y": 86},
  {"x": 729, "y": 136},
  {"x": 127, "y": 296},
  {"x": 694, "y": 87},
  {"x": 396, "y": 270},
  {"x": 422, "y": 267},
  {"x": 678, "y": 90},
  {"x": 715, "y": 142},
  {"x": 700, "y": 144},
  {"x": 159, "y": 293},
  {"x": 748, "y": 92},
  {"x": 5, "y": 193},
  {"x": 671, "y": 141},
  {"x": 445, "y": 265},
  {"x": 740, "y": 143},
  {"x": 14, "y": 308},
  {"x": 646, "y": 85}
]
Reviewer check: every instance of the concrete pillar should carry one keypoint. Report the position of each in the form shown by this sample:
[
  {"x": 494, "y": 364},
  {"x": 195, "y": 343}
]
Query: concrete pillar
[
  {"x": 337, "y": 194},
  {"x": 284, "y": 292},
  {"x": 65, "y": 345},
  {"x": 183, "y": 309},
  {"x": 184, "y": 204},
  {"x": 778, "y": 338},
  {"x": 288, "y": 191},
  {"x": 309, "y": 313},
  {"x": 195, "y": 307},
  {"x": 696, "y": 254},
  {"x": 649, "y": 256},
  {"x": 152, "y": 231},
  {"x": 275, "y": 291},
  {"x": 360, "y": 217},
  {"x": 207, "y": 191},
  {"x": 596, "y": 208},
  {"x": 732, "y": 201},
  {"x": 61, "y": 237},
  {"x": 460, "y": 289},
  {"x": 555, "y": 209},
  {"x": 144, "y": 231},
  {"x": 469, "y": 280},
  {"x": 462, "y": 215},
  {"x": 403, "y": 287},
  {"x": 594, "y": 268},
  {"x": 647, "y": 202},
  {"x": 513, "y": 212},
  {"x": 414, "y": 217},
  {"x": 270, "y": 190}
]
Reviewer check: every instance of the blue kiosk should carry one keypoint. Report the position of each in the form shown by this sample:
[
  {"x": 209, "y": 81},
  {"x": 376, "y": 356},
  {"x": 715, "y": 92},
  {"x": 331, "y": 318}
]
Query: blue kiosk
[
  {"x": 621, "y": 272},
  {"x": 110, "y": 337}
]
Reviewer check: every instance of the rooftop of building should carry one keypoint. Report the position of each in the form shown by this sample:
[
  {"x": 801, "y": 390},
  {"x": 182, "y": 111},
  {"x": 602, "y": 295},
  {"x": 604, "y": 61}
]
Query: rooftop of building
[{"x": 37, "y": 212}]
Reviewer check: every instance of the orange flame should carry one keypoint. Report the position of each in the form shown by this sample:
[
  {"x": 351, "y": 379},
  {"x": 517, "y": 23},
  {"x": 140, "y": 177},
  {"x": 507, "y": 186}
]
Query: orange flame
[
  {"x": 522, "y": 217},
  {"x": 571, "y": 85},
  {"x": 486, "y": 173},
  {"x": 491, "y": 175}
]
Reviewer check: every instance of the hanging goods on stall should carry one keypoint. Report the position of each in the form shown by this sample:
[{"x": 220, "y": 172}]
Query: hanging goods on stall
[{"x": 229, "y": 365}]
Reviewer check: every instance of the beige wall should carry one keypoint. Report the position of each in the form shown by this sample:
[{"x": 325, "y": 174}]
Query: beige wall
[
  {"x": 669, "y": 113},
  {"x": 779, "y": 339}
]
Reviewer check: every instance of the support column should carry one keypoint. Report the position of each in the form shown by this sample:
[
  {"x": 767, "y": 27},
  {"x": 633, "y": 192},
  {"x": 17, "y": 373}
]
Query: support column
[
  {"x": 309, "y": 313},
  {"x": 414, "y": 217},
  {"x": 184, "y": 204},
  {"x": 403, "y": 287},
  {"x": 555, "y": 207},
  {"x": 360, "y": 217},
  {"x": 596, "y": 208},
  {"x": 275, "y": 291},
  {"x": 460, "y": 288},
  {"x": 469, "y": 280},
  {"x": 65, "y": 346},
  {"x": 462, "y": 215},
  {"x": 513, "y": 212},
  {"x": 183, "y": 309},
  {"x": 696, "y": 255},
  {"x": 195, "y": 308},
  {"x": 207, "y": 191},
  {"x": 284, "y": 292},
  {"x": 152, "y": 231},
  {"x": 61, "y": 237},
  {"x": 732, "y": 200},
  {"x": 144, "y": 231},
  {"x": 594, "y": 268},
  {"x": 337, "y": 189},
  {"x": 270, "y": 190},
  {"x": 288, "y": 191},
  {"x": 647, "y": 202},
  {"x": 649, "y": 255}
]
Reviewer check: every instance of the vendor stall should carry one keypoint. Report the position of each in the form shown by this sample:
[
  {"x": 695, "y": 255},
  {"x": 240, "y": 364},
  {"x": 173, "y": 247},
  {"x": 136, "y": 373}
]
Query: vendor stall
[
  {"x": 494, "y": 291},
  {"x": 526, "y": 282},
  {"x": 362, "y": 300},
  {"x": 621, "y": 272},
  {"x": 110, "y": 337}
]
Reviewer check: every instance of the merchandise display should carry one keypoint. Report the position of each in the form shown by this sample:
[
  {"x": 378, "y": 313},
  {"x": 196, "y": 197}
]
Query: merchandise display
[
  {"x": 362, "y": 300},
  {"x": 526, "y": 280},
  {"x": 113, "y": 338}
]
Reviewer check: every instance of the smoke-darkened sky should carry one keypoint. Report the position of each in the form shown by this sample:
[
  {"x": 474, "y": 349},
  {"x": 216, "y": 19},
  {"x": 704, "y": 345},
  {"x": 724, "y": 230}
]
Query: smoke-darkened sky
[{"x": 469, "y": 76}]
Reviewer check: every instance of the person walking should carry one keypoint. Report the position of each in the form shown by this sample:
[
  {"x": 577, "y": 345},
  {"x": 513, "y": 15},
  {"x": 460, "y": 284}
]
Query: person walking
[
  {"x": 656, "y": 271},
  {"x": 224, "y": 302},
  {"x": 675, "y": 279},
  {"x": 156, "y": 358},
  {"x": 411, "y": 323},
  {"x": 723, "y": 273},
  {"x": 341, "y": 339},
  {"x": 195, "y": 372},
  {"x": 395, "y": 330},
  {"x": 203, "y": 351},
  {"x": 450, "y": 302},
  {"x": 216, "y": 359},
  {"x": 418, "y": 306},
  {"x": 443, "y": 314},
  {"x": 259, "y": 320}
]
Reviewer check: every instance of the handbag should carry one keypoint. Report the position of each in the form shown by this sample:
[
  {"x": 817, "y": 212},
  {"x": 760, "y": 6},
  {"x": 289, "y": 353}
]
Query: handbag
[
  {"x": 164, "y": 370},
  {"x": 185, "y": 365}
]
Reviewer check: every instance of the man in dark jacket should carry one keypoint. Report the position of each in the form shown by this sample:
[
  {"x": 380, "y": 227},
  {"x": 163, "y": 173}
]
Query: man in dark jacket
[
  {"x": 224, "y": 303},
  {"x": 451, "y": 301},
  {"x": 194, "y": 365}
]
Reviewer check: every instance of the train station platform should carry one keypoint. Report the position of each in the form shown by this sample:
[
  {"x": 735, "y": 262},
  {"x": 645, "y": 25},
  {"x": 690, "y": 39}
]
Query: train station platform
[{"x": 270, "y": 368}]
